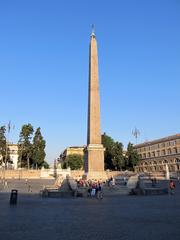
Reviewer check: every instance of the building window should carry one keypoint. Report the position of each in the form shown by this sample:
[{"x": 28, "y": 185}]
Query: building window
[
  {"x": 177, "y": 160},
  {"x": 158, "y": 153},
  {"x": 169, "y": 151},
  {"x": 152, "y": 147},
  {"x": 162, "y": 144},
  {"x": 153, "y": 154},
  {"x": 173, "y": 143},
  {"x": 174, "y": 150},
  {"x": 163, "y": 152},
  {"x": 149, "y": 154}
]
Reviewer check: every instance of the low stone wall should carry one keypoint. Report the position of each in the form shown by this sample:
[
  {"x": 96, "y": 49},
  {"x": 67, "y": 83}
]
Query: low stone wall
[
  {"x": 46, "y": 173},
  {"x": 19, "y": 174},
  {"x": 49, "y": 173},
  {"x": 114, "y": 173},
  {"x": 77, "y": 174},
  {"x": 34, "y": 174}
]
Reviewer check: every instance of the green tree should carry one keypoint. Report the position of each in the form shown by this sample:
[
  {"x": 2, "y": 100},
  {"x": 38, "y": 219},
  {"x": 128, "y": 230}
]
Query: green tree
[
  {"x": 113, "y": 155},
  {"x": 45, "y": 165},
  {"x": 4, "y": 149},
  {"x": 74, "y": 161},
  {"x": 38, "y": 147},
  {"x": 25, "y": 146},
  {"x": 108, "y": 144},
  {"x": 2, "y": 144},
  {"x": 132, "y": 157},
  {"x": 118, "y": 158}
]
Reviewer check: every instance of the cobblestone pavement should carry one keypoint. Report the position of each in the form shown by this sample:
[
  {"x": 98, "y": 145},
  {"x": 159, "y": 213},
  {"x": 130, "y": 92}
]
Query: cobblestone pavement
[{"x": 118, "y": 217}]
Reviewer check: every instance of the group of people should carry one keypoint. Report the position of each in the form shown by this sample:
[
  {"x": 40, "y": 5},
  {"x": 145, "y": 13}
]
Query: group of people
[
  {"x": 172, "y": 185},
  {"x": 95, "y": 190}
]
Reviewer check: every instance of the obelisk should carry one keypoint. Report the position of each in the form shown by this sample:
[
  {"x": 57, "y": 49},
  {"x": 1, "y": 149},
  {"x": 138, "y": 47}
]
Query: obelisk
[{"x": 94, "y": 153}]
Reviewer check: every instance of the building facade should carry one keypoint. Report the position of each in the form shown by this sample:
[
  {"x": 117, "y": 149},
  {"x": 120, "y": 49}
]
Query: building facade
[
  {"x": 71, "y": 150},
  {"x": 156, "y": 154},
  {"x": 13, "y": 154}
]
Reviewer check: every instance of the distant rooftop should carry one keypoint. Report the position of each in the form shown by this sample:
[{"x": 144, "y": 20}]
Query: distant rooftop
[
  {"x": 11, "y": 143},
  {"x": 169, "y": 138},
  {"x": 76, "y": 147}
]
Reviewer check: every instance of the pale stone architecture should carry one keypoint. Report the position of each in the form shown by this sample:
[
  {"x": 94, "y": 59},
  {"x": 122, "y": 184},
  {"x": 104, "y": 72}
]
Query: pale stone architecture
[
  {"x": 94, "y": 153},
  {"x": 13, "y": 154},
  {"x": 71, "y": 150},
  {"x": 155, "y": 155}
]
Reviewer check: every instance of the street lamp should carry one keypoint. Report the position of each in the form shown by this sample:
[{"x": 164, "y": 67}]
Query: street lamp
[{"x": 136, "y": 133}]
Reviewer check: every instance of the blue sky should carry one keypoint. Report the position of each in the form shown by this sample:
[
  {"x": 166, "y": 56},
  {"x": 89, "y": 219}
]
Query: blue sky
[{"x": 44, "y": 47}]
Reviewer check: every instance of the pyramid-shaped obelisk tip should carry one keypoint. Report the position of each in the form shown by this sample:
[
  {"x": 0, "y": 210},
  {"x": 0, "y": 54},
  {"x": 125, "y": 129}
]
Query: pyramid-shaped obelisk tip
[{"x": 93, "y": 31}]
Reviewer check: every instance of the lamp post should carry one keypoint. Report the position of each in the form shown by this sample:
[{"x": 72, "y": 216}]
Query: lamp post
[{"x": 136, "y": 133}]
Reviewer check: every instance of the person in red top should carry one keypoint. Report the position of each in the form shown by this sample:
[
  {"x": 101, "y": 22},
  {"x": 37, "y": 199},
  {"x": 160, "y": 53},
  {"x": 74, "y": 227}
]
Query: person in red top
[{"x": 171, "y": 186}]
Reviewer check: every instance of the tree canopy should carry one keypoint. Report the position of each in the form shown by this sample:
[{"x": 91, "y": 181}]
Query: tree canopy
[
  {"x": 74, "y": 161},
  {"x": 31, "y": 152},
  {"x": 2, "y": 143},
  {"x": 38, "y": 149},
  {"x": 113, "y": 156},
  {"x": 118, "y": 158},
  {"x": 132, "y": 157},
  {"x": 108, "y": 144},
  {"x": 4, "y": 149},
  {"x": 115, "y": 159},
  {"x": 25, "y": 145}
]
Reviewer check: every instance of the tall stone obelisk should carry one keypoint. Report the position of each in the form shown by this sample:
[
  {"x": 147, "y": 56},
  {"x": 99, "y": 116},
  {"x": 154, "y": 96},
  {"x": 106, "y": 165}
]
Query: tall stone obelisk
[{"x": 94, "y": 153}]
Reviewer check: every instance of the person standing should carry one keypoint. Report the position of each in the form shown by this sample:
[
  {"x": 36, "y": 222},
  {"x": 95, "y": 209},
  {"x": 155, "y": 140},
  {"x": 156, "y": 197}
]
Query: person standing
[
  {"x": 172, "y": 187},
  {"x": 99, "y": 193},
  {"x": 93, "y": 191}
]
